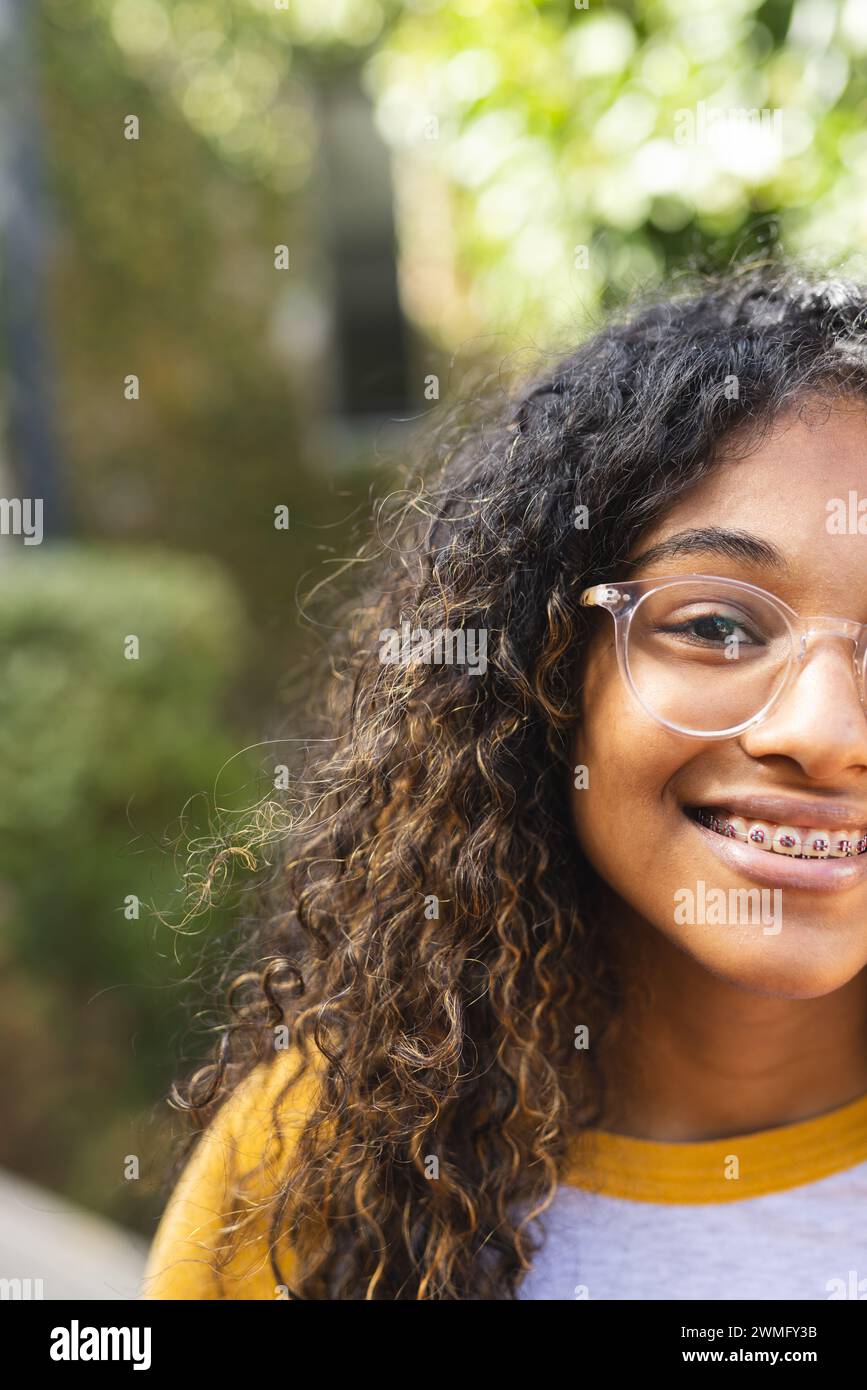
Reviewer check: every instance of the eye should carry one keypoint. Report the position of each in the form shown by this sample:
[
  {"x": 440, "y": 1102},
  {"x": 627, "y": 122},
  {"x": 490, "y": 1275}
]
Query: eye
[{"x": 713, "y": 629}]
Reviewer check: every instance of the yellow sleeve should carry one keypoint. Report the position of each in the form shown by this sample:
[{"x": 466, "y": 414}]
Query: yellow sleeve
[{"x": 213, "y": 1241}]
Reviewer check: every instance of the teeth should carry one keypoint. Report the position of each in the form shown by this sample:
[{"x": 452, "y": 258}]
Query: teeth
[
  {"x": 843, "y": 842},
  {"x": 815, "y": 843},
  {"x": 736, "y": 827},
  {"x": 787, "y": 840},
  {"x": 761, "y": 833}
]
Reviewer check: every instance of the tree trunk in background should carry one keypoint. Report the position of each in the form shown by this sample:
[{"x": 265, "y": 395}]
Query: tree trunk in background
[{"x": 28, "y": 368}]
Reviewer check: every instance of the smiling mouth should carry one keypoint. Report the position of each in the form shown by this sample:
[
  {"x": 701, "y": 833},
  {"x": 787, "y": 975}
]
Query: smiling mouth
[{"x": 797, "y": 842}]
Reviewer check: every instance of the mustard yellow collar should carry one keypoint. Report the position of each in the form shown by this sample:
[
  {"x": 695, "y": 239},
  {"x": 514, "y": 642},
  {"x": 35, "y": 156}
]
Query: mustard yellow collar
[{"x": 719, "y": 1170}]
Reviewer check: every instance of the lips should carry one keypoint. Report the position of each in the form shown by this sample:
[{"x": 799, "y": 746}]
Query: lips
[{"x": 795, "y": 872}]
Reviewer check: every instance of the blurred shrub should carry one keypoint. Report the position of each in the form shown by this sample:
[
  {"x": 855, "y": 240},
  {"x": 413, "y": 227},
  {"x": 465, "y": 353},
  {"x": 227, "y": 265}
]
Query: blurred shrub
[
  {"x": 98, "y": 755},
  {"x": 82, "y": 722}
]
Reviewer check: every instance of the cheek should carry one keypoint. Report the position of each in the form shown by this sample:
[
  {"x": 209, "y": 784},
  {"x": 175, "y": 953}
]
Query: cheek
[{"x": 626, "y": 815}]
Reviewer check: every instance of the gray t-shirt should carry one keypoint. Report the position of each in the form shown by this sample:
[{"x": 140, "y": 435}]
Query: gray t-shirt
[{"x": 805, "y": 1242}]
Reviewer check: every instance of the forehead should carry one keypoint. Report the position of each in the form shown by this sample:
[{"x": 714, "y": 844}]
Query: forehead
[{"x": 796, "y": 489}]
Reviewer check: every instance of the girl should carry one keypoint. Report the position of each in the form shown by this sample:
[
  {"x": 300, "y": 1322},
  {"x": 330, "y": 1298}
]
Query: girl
[{"x": 561, "y": 993}]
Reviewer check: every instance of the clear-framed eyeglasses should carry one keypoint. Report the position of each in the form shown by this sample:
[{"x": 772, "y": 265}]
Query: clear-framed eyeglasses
[{"x": 710, "y": 657}]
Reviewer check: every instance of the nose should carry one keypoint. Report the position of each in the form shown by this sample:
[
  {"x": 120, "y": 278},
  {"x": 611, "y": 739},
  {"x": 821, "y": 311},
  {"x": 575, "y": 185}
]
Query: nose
[{"x": 819, "y": 721}]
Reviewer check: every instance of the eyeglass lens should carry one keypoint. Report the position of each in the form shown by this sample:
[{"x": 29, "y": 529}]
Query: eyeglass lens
[{"x": 706, "y": 657}]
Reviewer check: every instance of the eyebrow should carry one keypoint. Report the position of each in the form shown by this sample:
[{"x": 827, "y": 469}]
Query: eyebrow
[{"x": 713, "y": 540}]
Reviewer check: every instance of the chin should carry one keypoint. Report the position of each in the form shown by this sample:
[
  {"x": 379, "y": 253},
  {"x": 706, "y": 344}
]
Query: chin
[{"x": 794, "y": 969}]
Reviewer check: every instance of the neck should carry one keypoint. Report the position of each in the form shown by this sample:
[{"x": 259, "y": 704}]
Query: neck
[{"x": 694, "y": 1057}]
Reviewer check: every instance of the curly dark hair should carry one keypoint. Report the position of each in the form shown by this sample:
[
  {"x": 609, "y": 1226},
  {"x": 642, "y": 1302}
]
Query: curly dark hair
[{"x": 432, "y": 934}]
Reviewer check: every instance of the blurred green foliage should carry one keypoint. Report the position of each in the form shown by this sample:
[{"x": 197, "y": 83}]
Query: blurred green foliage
[
  {"x": 99, "y": 753},
  {"x": 88, "y": 734},
  {"x": 557, "y": 127},
  {"x": 522, "y": 129}
]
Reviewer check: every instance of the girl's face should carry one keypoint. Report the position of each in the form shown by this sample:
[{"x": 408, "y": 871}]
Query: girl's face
[{"x": 804, "y": 932}]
